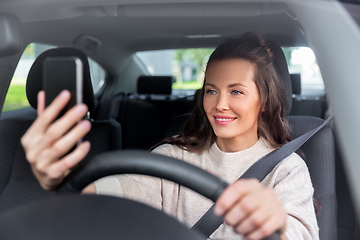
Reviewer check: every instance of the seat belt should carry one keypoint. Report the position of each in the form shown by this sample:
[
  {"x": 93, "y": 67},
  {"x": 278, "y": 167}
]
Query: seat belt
[{"x": 209, "y": 222}]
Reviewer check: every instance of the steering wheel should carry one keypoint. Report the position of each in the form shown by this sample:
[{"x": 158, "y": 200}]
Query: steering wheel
[{"x": 70, "y": 216}]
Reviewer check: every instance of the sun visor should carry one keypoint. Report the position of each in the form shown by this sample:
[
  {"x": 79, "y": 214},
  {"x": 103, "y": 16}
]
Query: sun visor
[{"x": 10, "y": 37}]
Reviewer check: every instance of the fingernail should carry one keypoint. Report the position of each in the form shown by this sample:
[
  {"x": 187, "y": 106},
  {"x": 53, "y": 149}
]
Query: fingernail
[
  {"x": 81, "y": 108},
  {"x": 86, "y": 145},
  {"x": 85, "y": 124},
  {"x": 64, "y": 94},
  {"x": 218, "y": 211}
]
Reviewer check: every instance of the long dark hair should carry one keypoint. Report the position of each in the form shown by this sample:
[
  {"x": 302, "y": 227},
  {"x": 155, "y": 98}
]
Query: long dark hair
[{"x": 197, "y": 134}]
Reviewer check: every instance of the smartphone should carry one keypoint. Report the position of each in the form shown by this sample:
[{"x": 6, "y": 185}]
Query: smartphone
[{"x": 60, "y": 73}]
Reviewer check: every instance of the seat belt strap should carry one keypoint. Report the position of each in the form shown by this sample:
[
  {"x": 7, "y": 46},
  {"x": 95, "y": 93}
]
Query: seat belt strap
[{"x": 209, "y": 222}]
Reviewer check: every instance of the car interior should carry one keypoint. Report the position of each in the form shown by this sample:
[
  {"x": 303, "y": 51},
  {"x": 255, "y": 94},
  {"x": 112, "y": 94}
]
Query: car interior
[
  {"x": 19, "y": 185},
  {"x": 134, "y": 109}
]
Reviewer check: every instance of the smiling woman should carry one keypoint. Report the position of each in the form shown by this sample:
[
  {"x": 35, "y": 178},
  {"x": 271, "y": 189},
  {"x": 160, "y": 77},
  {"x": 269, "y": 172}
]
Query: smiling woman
[
  {"x": 241, "y": 87},
  {"x": 239, "y": 118},
  {"x": 232, "y": 103},
  {"x": 270, "y": 122}
]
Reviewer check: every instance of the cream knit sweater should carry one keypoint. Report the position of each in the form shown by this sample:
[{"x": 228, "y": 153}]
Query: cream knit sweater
[{"x": 290, "y": 180}]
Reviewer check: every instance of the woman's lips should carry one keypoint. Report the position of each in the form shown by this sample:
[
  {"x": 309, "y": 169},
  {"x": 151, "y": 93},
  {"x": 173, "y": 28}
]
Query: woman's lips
[{"x": 223, "y": 120}]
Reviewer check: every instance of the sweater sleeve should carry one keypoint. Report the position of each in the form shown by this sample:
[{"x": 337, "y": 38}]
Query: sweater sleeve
[
  {"x": 295, "y": 191},
  {"x": 140, "y": 188}
]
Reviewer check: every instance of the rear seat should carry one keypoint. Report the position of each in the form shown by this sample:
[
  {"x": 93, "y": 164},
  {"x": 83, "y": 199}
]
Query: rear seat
[
  {"x": 306, "y": 105},
  {"x": 145, "y": 114}
]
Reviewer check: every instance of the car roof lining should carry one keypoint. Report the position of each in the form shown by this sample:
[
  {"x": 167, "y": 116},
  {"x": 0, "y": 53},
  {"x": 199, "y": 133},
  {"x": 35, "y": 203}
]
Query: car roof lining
[
  {"x": 133, "y": 29},
  {"x": 130, "y": 34},
  {"x": 122, "y": 15}
]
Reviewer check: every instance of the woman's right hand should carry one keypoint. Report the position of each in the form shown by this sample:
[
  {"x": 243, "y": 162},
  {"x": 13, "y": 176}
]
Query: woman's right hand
[{"x": 47, "y": 141}]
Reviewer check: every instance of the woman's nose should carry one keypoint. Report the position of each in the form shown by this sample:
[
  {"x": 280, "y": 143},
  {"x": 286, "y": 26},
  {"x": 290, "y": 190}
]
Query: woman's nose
[{"x": 222, "y": 104}]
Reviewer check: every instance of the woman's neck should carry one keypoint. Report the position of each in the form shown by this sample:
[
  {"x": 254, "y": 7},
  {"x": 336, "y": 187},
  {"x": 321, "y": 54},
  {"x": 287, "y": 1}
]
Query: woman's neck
[{"x": 236, "y": 144}]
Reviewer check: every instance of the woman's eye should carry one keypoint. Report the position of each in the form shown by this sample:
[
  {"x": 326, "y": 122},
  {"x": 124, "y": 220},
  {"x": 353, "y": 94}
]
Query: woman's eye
[
  {"x": 210, "y": 92},
  {"x": 236, "y": 92}
]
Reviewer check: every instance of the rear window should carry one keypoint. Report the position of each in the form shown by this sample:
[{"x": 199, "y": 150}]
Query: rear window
[
  {"x": 302, "y": 60},
  {"x": 188, "y": 65}
]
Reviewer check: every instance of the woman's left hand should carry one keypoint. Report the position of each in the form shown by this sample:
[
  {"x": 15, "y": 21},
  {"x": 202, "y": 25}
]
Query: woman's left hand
[{"x": 252, "y": 209}]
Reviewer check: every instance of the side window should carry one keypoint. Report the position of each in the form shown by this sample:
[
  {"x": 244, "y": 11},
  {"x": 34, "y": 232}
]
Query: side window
[
  {"x": 302, "y": 60},
  {"x": 16, "y": 95},
  {"x": 186, "y": 65},
  {"x": 98, "y": 75}
]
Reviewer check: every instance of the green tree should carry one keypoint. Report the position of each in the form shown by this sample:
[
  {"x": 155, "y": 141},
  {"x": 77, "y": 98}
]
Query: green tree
[
  {"x": 29, "y": 51},
  {"x": 197, "y": 56},
  {"x": 194, "y": 55}
]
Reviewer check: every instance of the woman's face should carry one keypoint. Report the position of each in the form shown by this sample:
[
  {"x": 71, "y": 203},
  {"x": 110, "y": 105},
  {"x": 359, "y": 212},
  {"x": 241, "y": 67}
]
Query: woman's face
[{"x": 232, "y": 101}]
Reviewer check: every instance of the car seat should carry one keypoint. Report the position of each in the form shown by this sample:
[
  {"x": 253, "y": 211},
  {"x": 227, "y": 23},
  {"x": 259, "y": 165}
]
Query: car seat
[
  {"x": 305, "y": 105},
  {"x": 144, "y": 114},
  {"x": 319, "y": 151},
  {"x": 18, "y": 185}
]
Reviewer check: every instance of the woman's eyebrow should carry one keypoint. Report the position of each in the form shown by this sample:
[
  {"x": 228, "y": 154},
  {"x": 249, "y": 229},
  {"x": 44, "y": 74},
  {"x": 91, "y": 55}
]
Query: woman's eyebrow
[
  {"x": 209, "y": 84},
  {"x": 236, "y": 84},
  {"x": 229, "y": 86}
]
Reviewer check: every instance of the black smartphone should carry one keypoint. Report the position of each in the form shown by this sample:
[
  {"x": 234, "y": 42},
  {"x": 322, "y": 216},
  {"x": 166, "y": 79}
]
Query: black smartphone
[{"x": 60, "y": 73}]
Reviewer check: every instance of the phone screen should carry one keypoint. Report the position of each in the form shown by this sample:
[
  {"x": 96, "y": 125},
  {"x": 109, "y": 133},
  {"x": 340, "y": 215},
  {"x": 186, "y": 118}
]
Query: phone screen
[{"x": 60, "y": 73}]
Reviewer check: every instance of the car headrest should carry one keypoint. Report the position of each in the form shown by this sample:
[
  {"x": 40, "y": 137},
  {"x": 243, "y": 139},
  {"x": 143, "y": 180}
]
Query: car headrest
[
  {"x": 283, "y": 73},
  {"x": 296, "y": 83},
  {"x": 34, "y": 83},
  {"x": 155, "y": 84}
]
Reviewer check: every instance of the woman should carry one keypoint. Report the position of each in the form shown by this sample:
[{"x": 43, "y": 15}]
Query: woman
[{"x": 239, "y": 118}]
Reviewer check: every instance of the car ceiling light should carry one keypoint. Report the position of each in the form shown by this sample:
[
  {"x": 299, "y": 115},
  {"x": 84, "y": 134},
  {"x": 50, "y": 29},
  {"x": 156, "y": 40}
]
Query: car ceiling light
[{"x": 192, "y": 36}]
